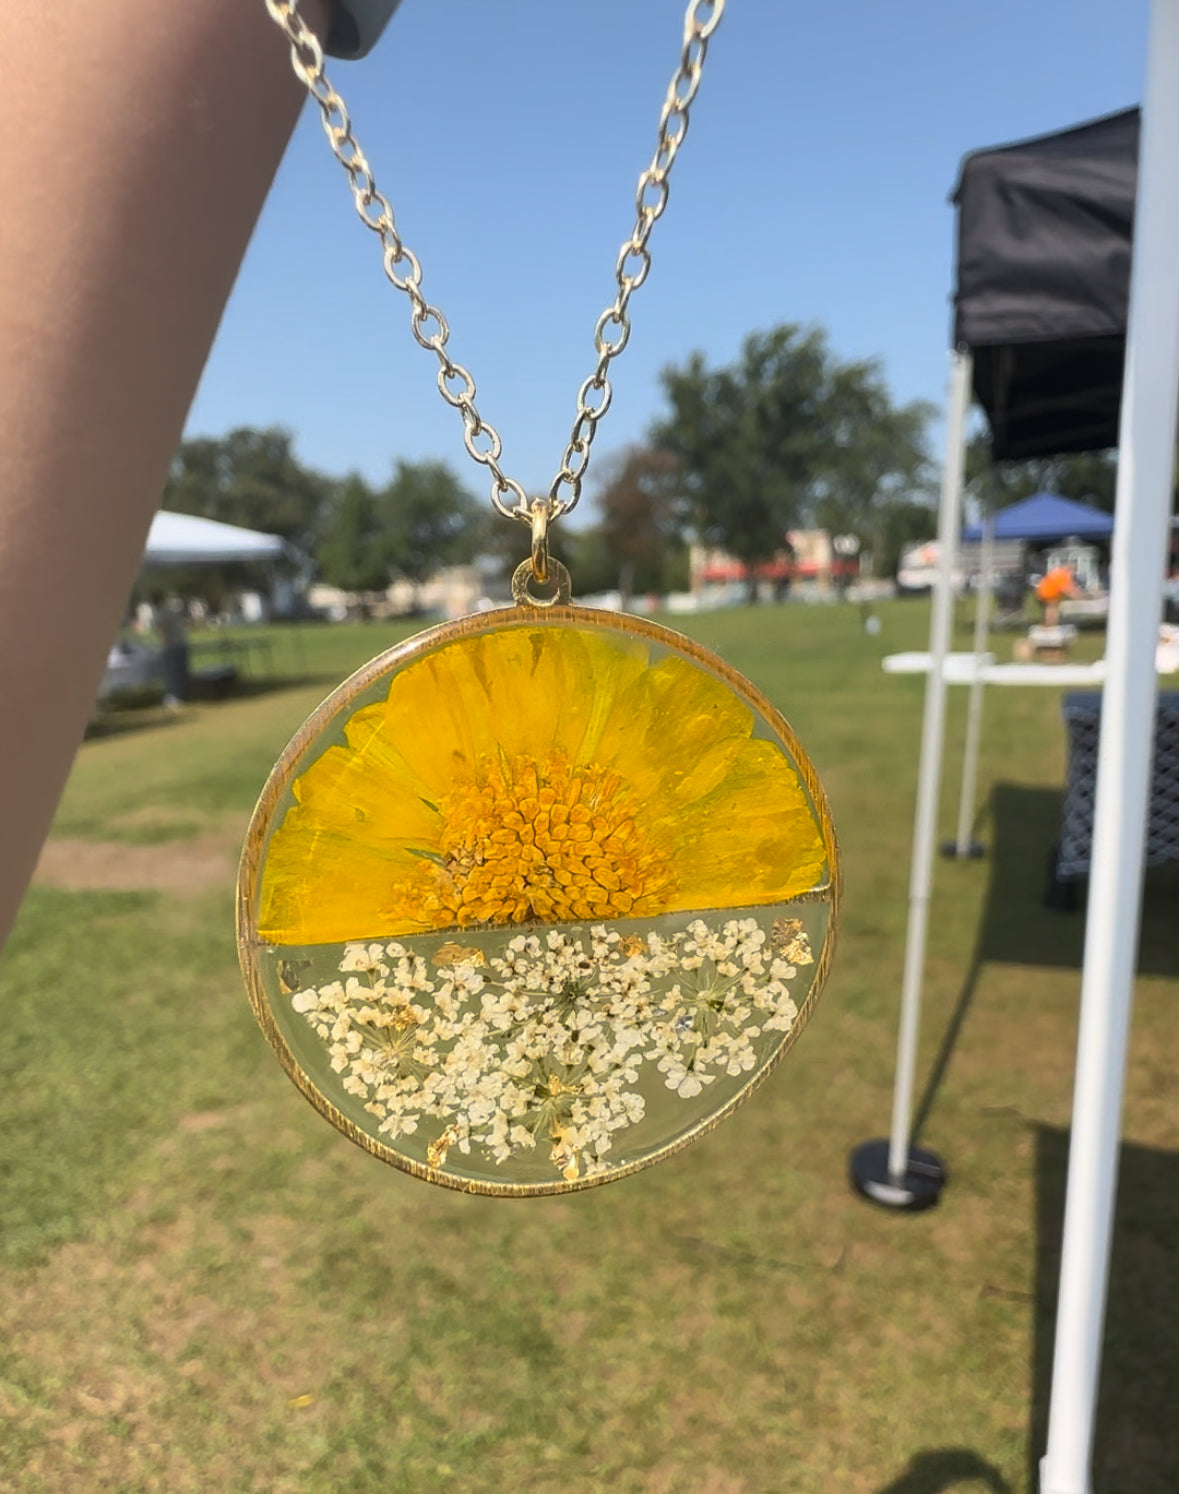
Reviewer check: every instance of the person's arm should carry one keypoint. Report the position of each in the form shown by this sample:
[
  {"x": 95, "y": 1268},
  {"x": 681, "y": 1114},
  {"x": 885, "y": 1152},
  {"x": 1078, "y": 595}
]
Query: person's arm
[{"x": 139, "y": 144}]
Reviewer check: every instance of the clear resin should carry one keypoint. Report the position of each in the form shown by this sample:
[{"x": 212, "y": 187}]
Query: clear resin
[{"x": 536, "y": 898}]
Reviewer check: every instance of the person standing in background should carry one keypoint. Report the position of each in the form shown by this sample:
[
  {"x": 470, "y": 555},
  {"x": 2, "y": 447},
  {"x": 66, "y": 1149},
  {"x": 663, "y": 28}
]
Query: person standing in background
[
  {"x": 168, "y": 621},
  {"x": 1056, "y": 586}
]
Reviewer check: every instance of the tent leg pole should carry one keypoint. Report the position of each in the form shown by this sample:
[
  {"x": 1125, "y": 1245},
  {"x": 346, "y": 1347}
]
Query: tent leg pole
[
  {"x": 895, "y": 1173},
  {"x": 963, "y": 844},
  {"x": 1145, "y": 473}
]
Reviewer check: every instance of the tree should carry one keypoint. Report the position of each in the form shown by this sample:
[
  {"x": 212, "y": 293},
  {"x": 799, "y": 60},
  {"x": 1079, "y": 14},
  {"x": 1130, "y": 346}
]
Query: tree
[
  {"x": 1087, "y": 476},
  {"x": 592, "y": 565},
  {"x": 356, "y": 551},
  {"x": 745, "y": 440},
  {"x": 874, "y": 458},
  {"x": 898, "y": 524},
  {"x": 786, "y": 437},
  {"x": 251, "y": 478},
  {"x": 640, "y": 500},
  {"x": 433, "y": 520}
]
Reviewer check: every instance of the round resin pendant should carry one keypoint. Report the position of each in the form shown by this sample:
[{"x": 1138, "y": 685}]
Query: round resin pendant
[{"x": 536, "y": 898}]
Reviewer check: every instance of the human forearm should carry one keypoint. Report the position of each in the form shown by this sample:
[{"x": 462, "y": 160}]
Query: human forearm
[{"x": 139, "y": 146}]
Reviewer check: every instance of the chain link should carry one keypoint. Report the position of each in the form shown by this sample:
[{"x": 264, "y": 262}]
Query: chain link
[{"x": 427, "y": 323}]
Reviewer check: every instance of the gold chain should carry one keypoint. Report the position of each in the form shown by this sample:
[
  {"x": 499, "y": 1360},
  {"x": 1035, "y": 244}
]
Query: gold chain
[{"x": 430, "y": 327}]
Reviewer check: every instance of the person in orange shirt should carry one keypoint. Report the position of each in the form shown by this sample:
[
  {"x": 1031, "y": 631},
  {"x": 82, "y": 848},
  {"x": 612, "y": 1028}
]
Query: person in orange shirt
[{"x": 1058, "y": 584}]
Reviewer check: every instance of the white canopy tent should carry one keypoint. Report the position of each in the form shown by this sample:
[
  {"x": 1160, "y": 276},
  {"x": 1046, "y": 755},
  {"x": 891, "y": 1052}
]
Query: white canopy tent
[
  {"x": 184, "y": 539},
  {"x": 1150, "y": 404},
  {"x": 1149, "y": 407}
]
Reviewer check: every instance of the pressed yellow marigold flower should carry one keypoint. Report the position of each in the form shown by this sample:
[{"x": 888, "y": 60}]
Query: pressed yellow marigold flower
[
  {"x": 538, "y": 773},
  {"x": 526, "y": 840}
]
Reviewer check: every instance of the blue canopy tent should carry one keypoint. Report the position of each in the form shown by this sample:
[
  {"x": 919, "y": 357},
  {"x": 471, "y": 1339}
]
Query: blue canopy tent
[{"x": 1043, "y": 519}]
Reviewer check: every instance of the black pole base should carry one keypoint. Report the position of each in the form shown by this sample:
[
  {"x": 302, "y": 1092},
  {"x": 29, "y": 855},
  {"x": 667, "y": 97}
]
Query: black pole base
[
  {"x": 920, "y": 1188},
  {"x": 974, "y": 850}
]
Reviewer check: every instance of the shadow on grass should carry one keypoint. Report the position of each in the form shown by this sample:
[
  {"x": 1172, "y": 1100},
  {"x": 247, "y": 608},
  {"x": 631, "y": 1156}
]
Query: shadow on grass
[
  {"x": 1016, "y": 927},
  {"x": 1137, "y": 1432},
  {"x": 1137, "y": 1443},
  {"x": 946, "y": 1469},
  {"x": 119, "y": 721},
  {"x": 249, "y": 686}
]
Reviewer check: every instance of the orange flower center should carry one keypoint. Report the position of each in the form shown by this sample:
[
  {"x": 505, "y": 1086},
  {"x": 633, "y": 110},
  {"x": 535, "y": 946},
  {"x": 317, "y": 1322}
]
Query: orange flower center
[{"x": 554, "y": 842}]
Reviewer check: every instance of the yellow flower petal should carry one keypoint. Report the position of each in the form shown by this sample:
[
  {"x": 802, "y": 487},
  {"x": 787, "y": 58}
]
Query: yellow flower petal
[
  {"x": 771, "y": 847},
  {"x": 539, "y": 773},
  {"x": 663, "y": 724},
  {"x": 320, "y": 888}
]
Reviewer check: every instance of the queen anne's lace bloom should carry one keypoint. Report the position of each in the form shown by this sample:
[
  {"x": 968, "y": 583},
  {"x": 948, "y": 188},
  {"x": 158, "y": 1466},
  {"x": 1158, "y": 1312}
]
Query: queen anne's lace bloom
[{"x": 547, "y": 1041}]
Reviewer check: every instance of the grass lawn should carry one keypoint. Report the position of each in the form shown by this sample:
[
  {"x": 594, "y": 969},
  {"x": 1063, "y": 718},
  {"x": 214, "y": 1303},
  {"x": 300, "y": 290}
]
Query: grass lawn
[{"x": 206, "y": 1288}]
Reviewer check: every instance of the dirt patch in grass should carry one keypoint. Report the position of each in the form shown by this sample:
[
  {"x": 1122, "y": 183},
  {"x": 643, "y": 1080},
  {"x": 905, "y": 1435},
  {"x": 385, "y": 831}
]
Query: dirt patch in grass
[
  {"x": 186, "y": 867},
  {"x": 150, "y": 827}
]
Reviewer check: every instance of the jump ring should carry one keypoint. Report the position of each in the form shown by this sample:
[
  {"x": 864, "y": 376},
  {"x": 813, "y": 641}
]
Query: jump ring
[{"x": 540, "y": 542}]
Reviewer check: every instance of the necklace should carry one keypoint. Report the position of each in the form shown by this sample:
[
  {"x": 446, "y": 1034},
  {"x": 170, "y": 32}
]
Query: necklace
[{"x": 536, "y": 897}]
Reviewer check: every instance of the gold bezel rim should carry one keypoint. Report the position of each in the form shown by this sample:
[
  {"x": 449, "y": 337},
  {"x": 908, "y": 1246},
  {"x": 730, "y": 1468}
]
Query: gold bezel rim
[{"x": 280, "y": 776}]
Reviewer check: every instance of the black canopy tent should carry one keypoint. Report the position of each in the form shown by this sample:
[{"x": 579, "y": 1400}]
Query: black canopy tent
[
  {"x": 1044, "y": 239},
  {"x": 1041, "y": 301},
  {"x": 1047, "y": 306}
]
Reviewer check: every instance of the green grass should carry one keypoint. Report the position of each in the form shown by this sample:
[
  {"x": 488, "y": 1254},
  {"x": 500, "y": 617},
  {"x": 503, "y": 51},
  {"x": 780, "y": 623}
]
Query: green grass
[{"x": 207, "y": 1288}]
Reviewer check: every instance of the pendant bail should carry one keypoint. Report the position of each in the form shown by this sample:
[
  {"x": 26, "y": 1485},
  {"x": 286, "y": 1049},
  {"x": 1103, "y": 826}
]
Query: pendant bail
[
  {"x": 560, "y": 591},
  {"x": 540, "y": 541}
]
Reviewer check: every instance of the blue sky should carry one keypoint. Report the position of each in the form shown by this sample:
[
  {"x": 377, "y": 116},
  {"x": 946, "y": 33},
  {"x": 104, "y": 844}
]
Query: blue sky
[{"x": 509, "y": 134}]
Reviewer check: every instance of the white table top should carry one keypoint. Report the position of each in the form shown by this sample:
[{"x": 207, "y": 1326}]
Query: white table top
[{"x": 961, "y": 669}]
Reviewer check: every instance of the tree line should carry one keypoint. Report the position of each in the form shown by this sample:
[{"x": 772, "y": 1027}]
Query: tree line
[{"x": 788, "y": 436}]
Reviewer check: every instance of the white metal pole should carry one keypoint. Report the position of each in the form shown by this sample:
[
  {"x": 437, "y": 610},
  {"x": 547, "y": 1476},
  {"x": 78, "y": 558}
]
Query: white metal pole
[
  {"x": 1145, "y": 474},
  {"x": 982, "y": 615},
  {"x": 929, "y": 771}
]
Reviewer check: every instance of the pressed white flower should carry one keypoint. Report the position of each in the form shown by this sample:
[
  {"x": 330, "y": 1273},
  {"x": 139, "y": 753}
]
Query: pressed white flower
[
  {"x": 368, "y": 958},
  {"x": 548, "y": 1041}
]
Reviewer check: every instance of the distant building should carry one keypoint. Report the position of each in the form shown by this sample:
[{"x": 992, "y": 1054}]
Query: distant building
[
  {"x": 812, "y": 558},
  {"x": 453, "y": 591}
]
